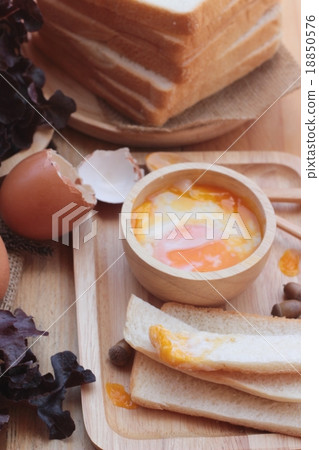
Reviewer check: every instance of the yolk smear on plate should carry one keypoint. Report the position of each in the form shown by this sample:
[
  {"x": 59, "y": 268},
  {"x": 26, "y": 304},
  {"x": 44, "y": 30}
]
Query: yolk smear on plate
[
  {"x": 204, "y": 229},
  {"x": 289, "y": 263},
  {"x": 186, "y": 350},
  {"x": 119, "y": 396}
]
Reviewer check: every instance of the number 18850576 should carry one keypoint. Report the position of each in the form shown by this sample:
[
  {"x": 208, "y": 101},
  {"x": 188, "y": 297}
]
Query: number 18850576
[{"x": 310, "y": 44}]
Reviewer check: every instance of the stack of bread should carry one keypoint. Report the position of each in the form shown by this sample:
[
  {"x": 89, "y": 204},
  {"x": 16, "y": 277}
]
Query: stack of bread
[
  {"x": 153, "y": 59},
  {"x": 239, "y": 368}
]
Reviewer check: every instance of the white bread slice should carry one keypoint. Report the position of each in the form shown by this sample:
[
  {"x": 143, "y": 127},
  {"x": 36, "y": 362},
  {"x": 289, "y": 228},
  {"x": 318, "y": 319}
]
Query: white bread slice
[
  {"x": 156, "y": 386},
  {"x": 253, "y": 353},
  {"x": 280, "y": 387},
  {"x": 138, "y": 46},
  {"x": 139, "y": 107},
  {"x": 174, "y": 17},
  {"x": 255, "y": 16}
]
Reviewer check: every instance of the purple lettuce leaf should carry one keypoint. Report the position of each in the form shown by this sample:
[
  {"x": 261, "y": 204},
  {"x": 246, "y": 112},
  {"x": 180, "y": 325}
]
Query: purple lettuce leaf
[{"x": 21, "y": 380}]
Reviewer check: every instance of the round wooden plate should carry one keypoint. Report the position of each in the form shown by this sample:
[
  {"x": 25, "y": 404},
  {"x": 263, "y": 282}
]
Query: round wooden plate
[{"x": 244, "y": 100}]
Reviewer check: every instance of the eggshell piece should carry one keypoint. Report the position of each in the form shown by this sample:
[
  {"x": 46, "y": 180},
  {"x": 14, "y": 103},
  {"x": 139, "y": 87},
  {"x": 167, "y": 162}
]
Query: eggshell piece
[
  {"x": 38, "y": 188},
  {"x": 4, "y": 269},
  {"x": 111, "y": 173}
]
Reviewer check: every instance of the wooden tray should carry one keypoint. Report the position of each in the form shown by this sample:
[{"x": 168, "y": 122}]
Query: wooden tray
[
  {"x": 243, "y": 101},
  {"x": 103, "y": 286}
]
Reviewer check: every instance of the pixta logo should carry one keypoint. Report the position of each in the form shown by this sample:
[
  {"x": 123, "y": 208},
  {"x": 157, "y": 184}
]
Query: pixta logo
[
  {"x": 139, "y": 223},
  {"x": 70, "y": 218}
]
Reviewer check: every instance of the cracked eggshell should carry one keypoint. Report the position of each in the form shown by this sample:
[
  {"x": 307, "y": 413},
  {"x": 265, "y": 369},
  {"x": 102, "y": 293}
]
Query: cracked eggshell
[
  {"x": 38, "y": 188},
  {"x": 111, "y": 173}
]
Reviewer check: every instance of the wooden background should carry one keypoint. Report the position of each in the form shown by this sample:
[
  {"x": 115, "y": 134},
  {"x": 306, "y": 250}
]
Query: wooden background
[{"x": 47, "y": 289}]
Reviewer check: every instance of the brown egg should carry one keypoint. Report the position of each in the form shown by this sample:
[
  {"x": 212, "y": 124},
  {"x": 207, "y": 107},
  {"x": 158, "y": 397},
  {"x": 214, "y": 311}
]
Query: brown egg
[
  {"x": 35, "y": 192},
  {"x": 4, "y": 269}
]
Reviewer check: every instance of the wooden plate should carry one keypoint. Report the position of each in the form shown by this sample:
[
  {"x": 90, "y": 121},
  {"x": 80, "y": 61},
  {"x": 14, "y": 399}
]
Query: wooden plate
[
  {"x": 103, "y": 286},
  {"x": 245, "y": 100}
]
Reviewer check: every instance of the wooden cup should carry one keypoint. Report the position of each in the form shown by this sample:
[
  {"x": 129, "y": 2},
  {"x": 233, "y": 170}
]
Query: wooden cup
[{"x": 197, "y": 288}]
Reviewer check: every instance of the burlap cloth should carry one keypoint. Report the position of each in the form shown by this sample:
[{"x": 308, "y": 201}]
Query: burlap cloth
[
  {"x": 16, "y": 267},
  {"x": 17, "y": 248}
]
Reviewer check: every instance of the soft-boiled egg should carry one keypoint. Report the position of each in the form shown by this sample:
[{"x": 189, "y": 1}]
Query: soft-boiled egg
[
  {"x": 200, "y": 350},
  {"x": 4, "y": 269},
  {"x": 195, "y": 227},
  {"x": 40, "y": 188}
]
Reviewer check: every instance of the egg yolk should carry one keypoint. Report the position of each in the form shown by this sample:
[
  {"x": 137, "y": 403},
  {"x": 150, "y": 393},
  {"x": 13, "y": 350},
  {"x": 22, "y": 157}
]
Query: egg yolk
[
  {"x": 203, "y": 257},
  {"x": 119, "y": 396},
  {"x": 204, "y": 228},
  {"x": 185, "y": 350},
  {"x": 289, "y": 263},
  {"x": 205, "y": 351}
]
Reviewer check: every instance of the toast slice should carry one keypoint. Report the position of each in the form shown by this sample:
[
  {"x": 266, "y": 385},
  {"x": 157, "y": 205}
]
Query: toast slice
[
  {"x": 174, "y": 18},
  {"x": 181, "y": 346},
  {"x": 156, "y": 386}
]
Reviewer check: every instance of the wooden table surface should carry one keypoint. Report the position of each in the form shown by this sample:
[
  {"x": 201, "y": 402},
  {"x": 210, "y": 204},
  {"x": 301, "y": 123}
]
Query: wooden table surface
[{"x": 46, "y": 289}]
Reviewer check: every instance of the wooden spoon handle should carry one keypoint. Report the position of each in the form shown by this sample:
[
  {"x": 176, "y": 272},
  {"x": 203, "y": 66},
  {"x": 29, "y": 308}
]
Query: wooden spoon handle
[
  {"x": 289, "y": 227},
  {"x": 288, "y": 195}
]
